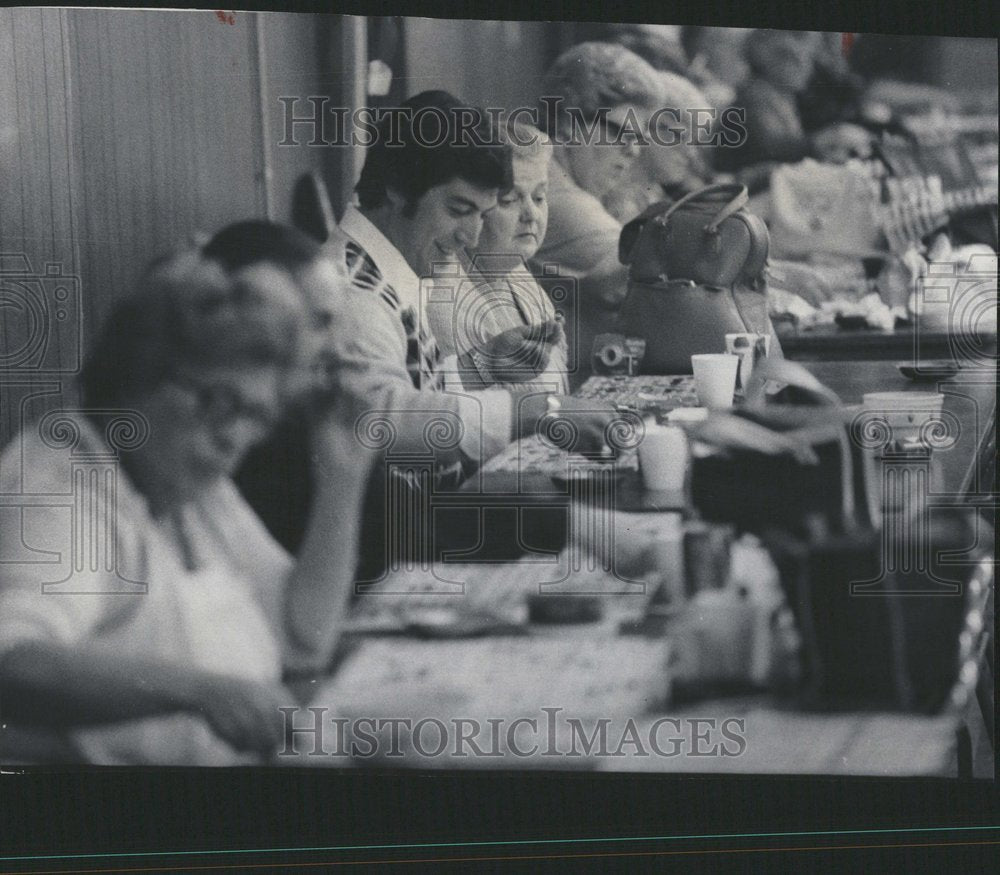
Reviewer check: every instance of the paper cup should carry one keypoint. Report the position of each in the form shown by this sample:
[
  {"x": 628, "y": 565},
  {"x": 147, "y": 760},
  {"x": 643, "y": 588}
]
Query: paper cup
[
  {"x": 663, "y": 458},
  {"x": 715, "y": 378}
]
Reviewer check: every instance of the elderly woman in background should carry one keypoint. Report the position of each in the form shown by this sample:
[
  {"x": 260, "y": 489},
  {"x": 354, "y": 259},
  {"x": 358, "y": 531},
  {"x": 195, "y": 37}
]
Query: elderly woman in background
[
  {"x": 613, "y": 92},
  {"x": 674, "y": 164},
  {"x": 501, "y": 295},
  {"x": 781, "y": 65},
  {"x": 187, "y": 667}
]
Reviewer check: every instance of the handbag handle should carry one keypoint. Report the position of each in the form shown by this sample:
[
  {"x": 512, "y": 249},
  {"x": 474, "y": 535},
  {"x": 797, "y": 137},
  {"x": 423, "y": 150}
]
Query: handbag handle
[
  {"x": 738, "y": 201},
  {"x": 661, "y": 212}
]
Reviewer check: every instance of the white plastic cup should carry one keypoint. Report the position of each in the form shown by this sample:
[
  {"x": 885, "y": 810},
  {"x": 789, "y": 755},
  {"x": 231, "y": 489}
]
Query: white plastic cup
[
  {"x": 715, "y": 378},
  {"x": 663, "y": 458}
]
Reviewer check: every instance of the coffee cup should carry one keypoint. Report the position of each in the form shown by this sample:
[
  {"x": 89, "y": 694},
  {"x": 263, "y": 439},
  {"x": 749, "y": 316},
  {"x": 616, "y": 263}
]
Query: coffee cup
[{"x": 715, "y": 378}]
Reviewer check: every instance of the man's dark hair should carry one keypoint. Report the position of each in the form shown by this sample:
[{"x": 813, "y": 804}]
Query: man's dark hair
[
  {"x": 187, "y": 311},
  {"x": 255, "y": 241},
  {"x": 437, "y": 138}
]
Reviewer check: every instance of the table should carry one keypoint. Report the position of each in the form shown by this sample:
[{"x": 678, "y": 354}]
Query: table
[
  {"x": 830, "y": 343},
  {"x": 594, "y": 676}
]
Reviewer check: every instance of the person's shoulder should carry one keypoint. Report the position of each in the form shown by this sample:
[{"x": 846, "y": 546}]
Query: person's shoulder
[
  {"x": 38, "y": 458},
  {"x": 576, "y": 213}
]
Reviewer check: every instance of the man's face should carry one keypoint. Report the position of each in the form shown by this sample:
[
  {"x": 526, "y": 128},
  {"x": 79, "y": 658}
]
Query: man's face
[
  {"x": 445, "y": 219},
  {"x": 322, "y": 284},
  {"x": 597, "y": 166}
]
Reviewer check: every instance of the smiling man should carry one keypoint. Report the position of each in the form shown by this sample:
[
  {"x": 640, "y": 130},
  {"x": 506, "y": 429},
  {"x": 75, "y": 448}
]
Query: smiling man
[
  {"x": 422, "y": 197},
  {"x": 423, "y": 192}
]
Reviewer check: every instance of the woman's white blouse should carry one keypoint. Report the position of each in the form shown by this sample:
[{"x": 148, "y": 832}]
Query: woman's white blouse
[{"x": 137, "y": 595}]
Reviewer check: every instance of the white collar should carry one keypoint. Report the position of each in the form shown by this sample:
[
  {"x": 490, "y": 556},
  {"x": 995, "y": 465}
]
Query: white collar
[{"x": 395, "y": 269}]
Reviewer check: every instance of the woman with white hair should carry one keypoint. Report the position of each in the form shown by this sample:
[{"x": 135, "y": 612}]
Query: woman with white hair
[
  {"x": 674, "y": 163},
  {"x": 596, "y": 99}
]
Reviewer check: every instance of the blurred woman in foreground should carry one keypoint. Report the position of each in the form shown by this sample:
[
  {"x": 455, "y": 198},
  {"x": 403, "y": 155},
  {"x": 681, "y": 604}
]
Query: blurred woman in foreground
[{"x": 185, "y": 668}]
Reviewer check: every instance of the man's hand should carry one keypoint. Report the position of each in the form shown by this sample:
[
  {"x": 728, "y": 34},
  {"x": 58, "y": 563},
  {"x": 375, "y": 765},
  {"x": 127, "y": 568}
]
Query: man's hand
[
  {"x": 521, "y": 353},
  {"x": 576, "y": 425}
]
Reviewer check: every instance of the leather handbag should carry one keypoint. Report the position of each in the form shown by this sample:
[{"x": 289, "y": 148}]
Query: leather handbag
[{"x": 697, "y": 271}]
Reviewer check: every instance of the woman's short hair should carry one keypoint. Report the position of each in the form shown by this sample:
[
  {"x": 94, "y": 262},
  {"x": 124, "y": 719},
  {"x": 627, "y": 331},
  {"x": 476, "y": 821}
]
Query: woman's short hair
[
  {"x": 526, "y": 142},
  {"x": 680, "y": 92},
  {"x": 596, "y": 76},
  {"x": 188, "y": 312},
  {"x": 428, "y": 144}
]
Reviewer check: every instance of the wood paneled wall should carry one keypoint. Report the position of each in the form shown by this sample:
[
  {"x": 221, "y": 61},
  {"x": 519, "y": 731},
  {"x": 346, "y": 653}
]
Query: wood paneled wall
[
  {"x": 123, "y": 132},
  {"x": 489, "y": 63}
]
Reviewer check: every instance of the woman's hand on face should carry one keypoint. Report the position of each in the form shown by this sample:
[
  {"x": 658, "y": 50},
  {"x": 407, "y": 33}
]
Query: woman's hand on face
[{"x": 243, "y": 713}]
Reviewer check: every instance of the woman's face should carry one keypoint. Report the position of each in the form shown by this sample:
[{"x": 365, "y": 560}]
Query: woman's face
[
  {"x": 201, "y": 426},
  {"x": 516, "y": 226},
  {"x": 603, "y": 162}
]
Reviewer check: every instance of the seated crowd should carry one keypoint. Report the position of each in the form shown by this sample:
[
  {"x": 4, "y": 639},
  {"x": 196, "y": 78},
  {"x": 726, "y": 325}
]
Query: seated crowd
[{"x": 273, "y": 371}]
